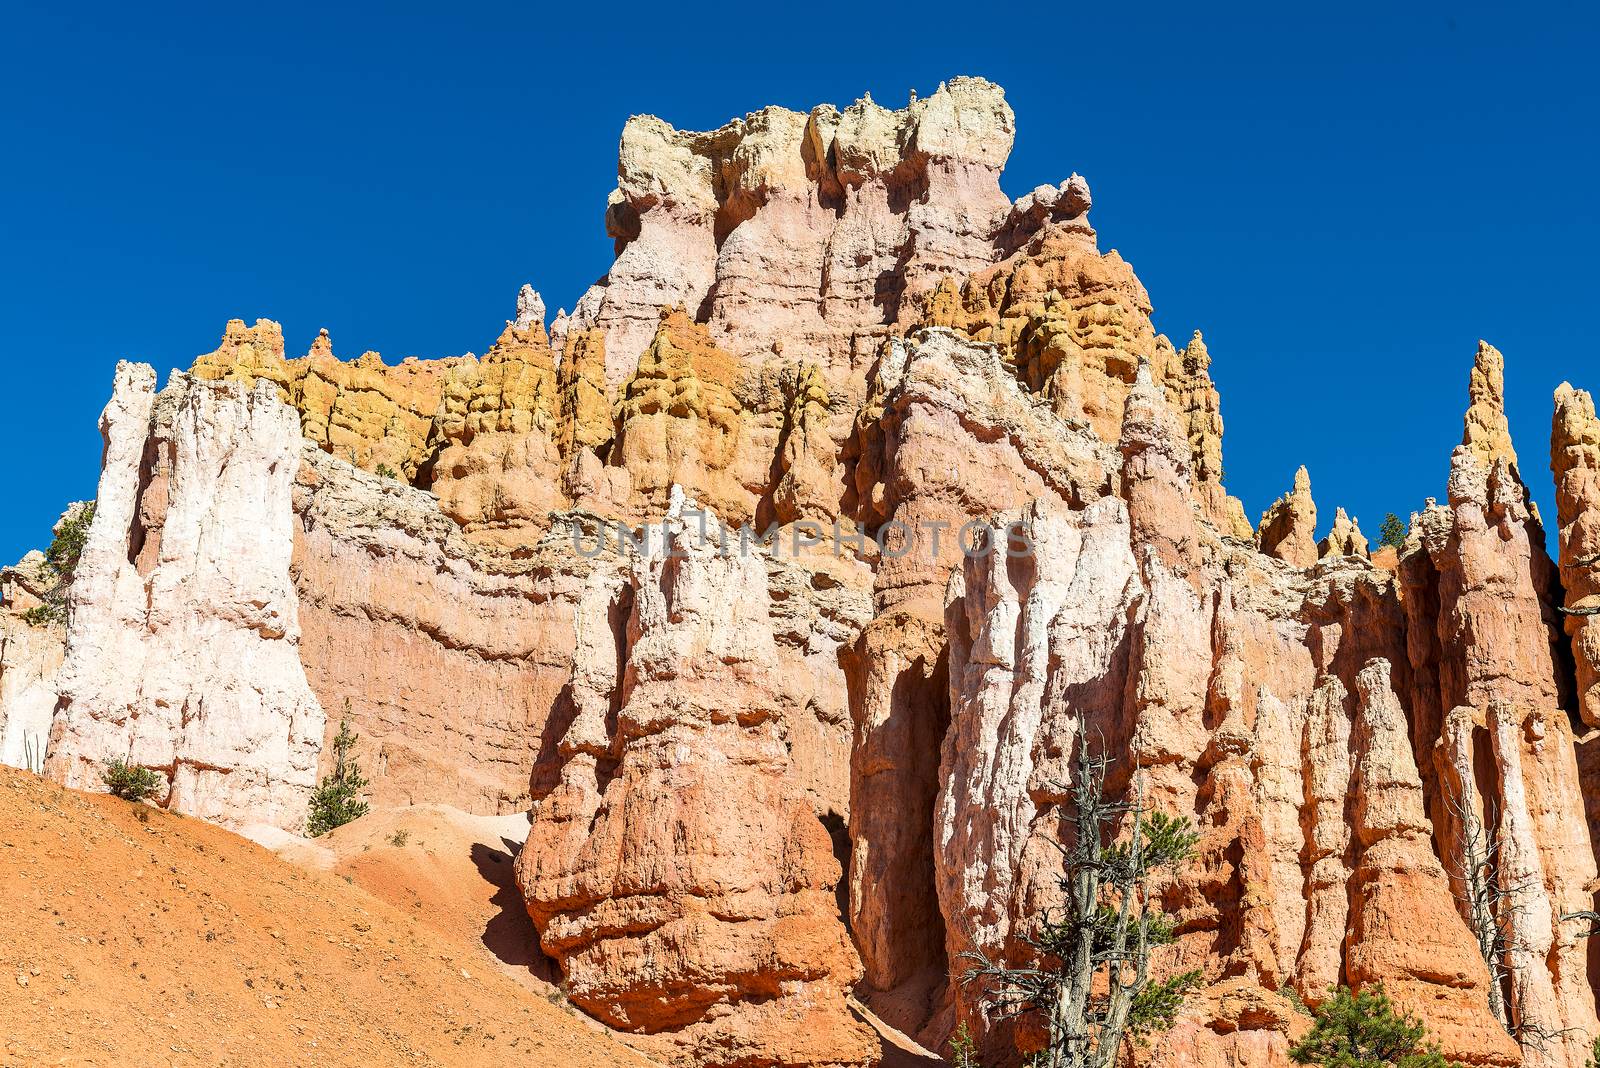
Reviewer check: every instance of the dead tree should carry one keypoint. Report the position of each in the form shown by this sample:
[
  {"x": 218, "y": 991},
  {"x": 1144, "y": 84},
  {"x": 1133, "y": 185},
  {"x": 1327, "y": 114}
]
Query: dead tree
[
  {"x": 1091, "y": 983},
  {"x": 1491, "y": 906},
  {"x": 1487, "y": 905}
]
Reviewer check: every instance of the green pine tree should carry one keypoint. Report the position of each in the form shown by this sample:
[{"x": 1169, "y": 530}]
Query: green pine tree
[
  {"x": 130, "y": 781},
  {"x": 337, "y": 800},
  {"x": 1364, "y": 1031},
  {"x": 1393, "y": 532}
]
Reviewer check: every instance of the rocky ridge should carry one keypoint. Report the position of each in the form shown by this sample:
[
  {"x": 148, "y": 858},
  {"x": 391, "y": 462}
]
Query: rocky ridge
[{"x": 829, "y": 763}]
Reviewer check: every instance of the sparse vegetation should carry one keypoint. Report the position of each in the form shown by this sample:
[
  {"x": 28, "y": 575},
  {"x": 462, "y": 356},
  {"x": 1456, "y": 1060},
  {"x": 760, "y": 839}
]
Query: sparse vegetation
[
  {"x": 1092, "y": 985},
  {"x": 337, "y": 800},
  {"x": 385, "y": 471},
  {"x": 130, "y": 781},
  {"x": 69, "y": 541},
  {"x": 42, "y": 615},
  {"x": 1365, "y": 1031},
  {"x": 399, "y": 838},
  {"x": 61, "y": 561},
  {"x": 1393, "y": 532},
  {"x": 963, "y": 1051}
]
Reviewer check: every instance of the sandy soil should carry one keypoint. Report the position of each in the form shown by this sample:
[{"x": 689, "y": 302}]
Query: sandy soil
[
  {"x": 132, "y": 935},
  {"x": 129, "y": 933}
]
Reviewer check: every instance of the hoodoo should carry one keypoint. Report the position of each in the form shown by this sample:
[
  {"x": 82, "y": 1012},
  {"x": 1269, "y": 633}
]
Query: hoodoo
[{"x": 914, "y": 502}]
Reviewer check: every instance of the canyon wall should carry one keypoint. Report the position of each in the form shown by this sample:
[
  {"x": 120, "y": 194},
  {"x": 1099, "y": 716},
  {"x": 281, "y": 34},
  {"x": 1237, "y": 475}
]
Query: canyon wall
[{"x": 779, "y": 581}]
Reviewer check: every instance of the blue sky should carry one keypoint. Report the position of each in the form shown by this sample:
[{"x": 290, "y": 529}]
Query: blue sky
[{"x": 1343, "y": 198}]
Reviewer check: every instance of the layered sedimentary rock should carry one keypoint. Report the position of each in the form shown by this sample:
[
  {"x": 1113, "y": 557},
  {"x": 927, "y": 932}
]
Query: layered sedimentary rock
[
  {"x": 678, "y": 872},
  {"x": 1288, "y": 530},
  {"x": 456, "y": 665},
  {"x": 182, "y": 654},
  {"x": 779, "y": 582},
  {"x": 1480, "y": 597},
  {"x": 30, "y": 656},
  {"x": 365, "y": 411},
  {"x": 1575, "y": 462},
  {"x": 809, "y": 229}
]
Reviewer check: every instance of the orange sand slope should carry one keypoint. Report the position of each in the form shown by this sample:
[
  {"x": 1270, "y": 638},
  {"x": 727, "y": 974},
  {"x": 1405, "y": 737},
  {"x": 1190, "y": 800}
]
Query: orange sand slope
[{"x": 129, "y": 934}]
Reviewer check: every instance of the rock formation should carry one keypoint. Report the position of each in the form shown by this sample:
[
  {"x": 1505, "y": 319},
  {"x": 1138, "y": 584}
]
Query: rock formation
[
  {"x": 1288, "y": 530},
  {"x": 30, "y": 657},
  {"x": 182, "y": 646},
  {"x": 809, "y": 229},
  {"x": 1575, "y": 462},
  {"x": 495, "y": 463},
  {"x": 678, "y": 872},
  {"x": 1344, "y": 538},
  {"x": 363, "y": 411},
  {"x": 1480, "y": 598},
  {"x": 779, "y": 582}
]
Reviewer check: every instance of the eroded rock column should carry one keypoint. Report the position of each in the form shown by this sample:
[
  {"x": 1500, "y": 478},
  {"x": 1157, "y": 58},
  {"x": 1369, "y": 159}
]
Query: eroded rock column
[
  {"x": 679, "y": 876},
  {"x": 182, "y": 653}
]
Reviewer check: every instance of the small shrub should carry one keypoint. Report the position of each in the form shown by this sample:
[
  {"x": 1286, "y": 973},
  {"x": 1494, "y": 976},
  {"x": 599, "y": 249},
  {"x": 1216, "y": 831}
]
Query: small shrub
[
  {"x": 337, "y": 800},
  {"x": 42, "y": 615},
  {"x": 130, "y": 781},
  {"x": 61, "y": 561},
  {"x": 1364, "y": 1031},
  {"x": 385, "y": 471},
  {"x": 963, "y": 1050},
  {"x": 68, "y": 545},
  {"x": 1292, "y": 996},
  {"x": 400, "y": 838}
]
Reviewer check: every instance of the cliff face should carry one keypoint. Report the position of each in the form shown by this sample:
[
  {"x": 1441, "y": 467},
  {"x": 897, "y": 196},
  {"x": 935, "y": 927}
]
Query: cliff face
[
  {"x": 780, "y": 579},
  {"x": 181, "y": 652}
]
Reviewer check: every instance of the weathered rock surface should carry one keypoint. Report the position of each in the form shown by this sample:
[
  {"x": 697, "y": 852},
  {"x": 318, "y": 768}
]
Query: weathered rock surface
[
  {"x": 30, "y": 656},
  {"x": 364, "y": 411},
  {"x": 678, "y": 873},
  {"x": 809, "y": 229},
  {"x": 1288, "y": 530},
  {"x": 1480, "y": 598},
  {"x": 32, "y": 644},
  {"x": 832, "y": 760},
  {"x": 1344, "y": 538},
  {"x": 1575, "y": 462},
  {"x": 182, "y": 653},
  {"x": 456, "y": 665},
  {"x": 1259, "y": 699}
]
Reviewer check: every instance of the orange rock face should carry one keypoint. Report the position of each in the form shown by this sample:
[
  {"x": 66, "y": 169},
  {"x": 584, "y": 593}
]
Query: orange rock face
[
  {"x": 364, "y": 411},
  {"x": 779, "y": 581},
  {"x": 1575, "y": 462},
  {"x": 1491, "y": 656},
  {"x": 678, "y": 872}
]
